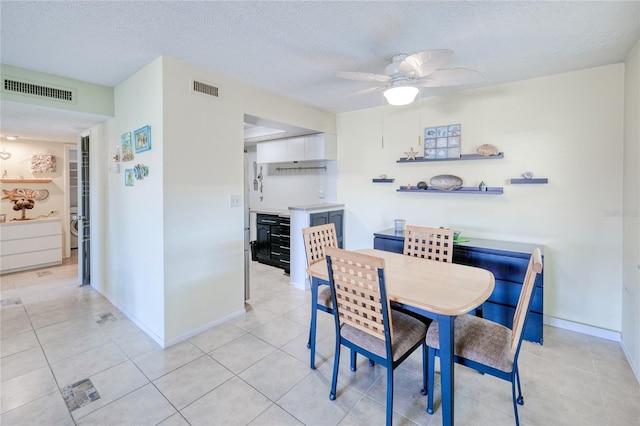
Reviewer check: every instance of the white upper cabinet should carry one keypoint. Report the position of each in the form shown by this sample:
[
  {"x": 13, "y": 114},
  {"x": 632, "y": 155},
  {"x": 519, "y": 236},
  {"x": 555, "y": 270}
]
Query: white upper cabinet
[{"x": 321, "y": 146}]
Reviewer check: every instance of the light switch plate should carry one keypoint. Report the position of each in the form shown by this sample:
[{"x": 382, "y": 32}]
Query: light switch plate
[{"x": 235, "y": 200}]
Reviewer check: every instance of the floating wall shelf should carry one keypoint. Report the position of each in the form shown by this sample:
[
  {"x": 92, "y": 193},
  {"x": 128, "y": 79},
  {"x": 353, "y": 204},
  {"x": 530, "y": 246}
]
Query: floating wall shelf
[
  {"x": 463, "y": 157},
  {"x": 43, "y": 180},
  {"x": 464, "y": 190},
  {"x": 378, "y": 180},
  {"x": 529, "y": 181}
]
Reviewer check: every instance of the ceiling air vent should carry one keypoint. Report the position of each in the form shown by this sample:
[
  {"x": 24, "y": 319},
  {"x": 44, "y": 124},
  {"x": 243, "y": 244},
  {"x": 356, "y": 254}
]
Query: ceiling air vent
[
  {"x": 204, "y": 88},
  {"x": 37, "y": 90}
]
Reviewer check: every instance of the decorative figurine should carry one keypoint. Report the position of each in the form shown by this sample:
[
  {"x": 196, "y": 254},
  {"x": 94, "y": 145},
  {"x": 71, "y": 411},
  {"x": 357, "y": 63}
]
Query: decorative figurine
[
  {"x": 4, "y": 174},
  {"x": 483, "y": 186},
  {"x": 527, "y": 175},
  {"x": 422, "y": 185},
  {"x": 411, "y": 155}
]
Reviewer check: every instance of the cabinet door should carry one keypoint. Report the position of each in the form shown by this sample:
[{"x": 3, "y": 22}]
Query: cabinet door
[
  {"x": 335, "y": 217},
  {"x": 319, "y": 218}
]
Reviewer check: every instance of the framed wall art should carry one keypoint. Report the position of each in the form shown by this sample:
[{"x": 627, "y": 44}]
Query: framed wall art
[
  {"x": 43, "y": 163},
  {"x": 126, "y": 146},
  {"x": 442, "y": 141},
  {"x": 142, "y": 139},
  {"x": 128, "y": 177}
]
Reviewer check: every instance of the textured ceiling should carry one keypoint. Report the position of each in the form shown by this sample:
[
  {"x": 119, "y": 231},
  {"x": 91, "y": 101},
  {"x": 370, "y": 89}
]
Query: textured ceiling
[{"x": 294, "y": 48}]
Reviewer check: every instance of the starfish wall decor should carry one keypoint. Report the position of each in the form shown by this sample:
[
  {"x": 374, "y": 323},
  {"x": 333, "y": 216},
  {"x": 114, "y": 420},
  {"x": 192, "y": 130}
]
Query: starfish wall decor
[{"x": 411, "y": 155}]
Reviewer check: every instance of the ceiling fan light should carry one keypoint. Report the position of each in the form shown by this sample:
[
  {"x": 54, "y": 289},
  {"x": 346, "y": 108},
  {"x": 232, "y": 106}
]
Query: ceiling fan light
[{"x": 401, "y": 95}]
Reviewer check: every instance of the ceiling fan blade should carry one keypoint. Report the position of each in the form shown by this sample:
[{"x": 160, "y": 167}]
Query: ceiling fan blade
[
  {"x": 423, "y": 63},
  {"x": 452, "y": 77},
  {"x": 366, "y": 91},
  {"x": 363, "y": 76}
]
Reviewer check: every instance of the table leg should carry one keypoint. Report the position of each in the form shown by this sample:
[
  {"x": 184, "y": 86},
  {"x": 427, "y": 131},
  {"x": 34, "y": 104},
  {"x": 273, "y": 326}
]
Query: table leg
[{"x": 445, "y": 327}]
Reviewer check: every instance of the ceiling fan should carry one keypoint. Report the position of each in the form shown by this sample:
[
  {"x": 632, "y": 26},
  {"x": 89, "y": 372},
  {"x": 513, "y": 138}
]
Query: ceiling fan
[{"x": 406, "y": 74}]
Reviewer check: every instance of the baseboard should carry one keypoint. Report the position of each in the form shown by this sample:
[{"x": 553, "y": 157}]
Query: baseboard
[
  {"x": 582, "y": 328},
  {"x": 634, "y": 368},
  {"x": 196, "y": 331},
  {"x": 166, "y": 343},
  {"x": 155, "y": 337},
  {"x": 300, "y": 286}
]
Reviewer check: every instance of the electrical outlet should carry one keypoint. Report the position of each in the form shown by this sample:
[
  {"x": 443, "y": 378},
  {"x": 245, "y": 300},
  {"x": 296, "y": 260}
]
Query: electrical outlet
[{"x": 235, "y": 200}]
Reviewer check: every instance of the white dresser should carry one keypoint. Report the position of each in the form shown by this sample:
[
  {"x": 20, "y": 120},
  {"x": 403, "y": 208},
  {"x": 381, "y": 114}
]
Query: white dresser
[{"x": 30, "y": 244}]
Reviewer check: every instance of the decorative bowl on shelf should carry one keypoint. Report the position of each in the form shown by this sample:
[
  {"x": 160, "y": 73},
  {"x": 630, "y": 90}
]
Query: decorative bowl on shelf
[{"x": 446, "y": 182}]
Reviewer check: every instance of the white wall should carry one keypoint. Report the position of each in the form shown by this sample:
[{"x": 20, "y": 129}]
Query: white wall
[
  {"x": 631, "y": 213},
  {"x": 294, "y": 188},
  {"x": 171, "y": 249},
  {"x": 19, "y": 164},
  {"x": 127, "y": 236},
  {"x": 566, "y": 127}
]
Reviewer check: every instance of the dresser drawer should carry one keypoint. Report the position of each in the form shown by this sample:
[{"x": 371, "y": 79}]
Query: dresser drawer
[
  {"x": 504, "y": 315},
  {"x": 508, "y": 293},
  {"x": 508, "y": 267}
]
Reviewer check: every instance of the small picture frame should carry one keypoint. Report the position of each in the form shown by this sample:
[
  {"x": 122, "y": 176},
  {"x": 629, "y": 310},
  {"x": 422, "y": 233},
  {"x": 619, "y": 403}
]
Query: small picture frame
[
  {"x": 128, "y": 177},
  {"x": 142, "y": 139},
  {"x": 430, "y": 154},
  {"x": 126, "y": 147},
  {"x": 430, "y": 133}
]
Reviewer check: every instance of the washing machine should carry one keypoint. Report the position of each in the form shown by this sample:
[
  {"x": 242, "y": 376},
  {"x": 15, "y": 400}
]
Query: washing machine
[{"x": 73, "y": 228}]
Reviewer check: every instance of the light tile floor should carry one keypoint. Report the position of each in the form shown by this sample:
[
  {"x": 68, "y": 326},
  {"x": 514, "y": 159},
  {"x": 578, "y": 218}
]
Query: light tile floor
[{"x": 254, "y": 369}]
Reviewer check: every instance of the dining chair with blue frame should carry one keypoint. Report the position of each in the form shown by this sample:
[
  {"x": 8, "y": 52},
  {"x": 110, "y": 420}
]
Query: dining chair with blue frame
[
  {"x": 487, "y": 346},
  {"x": 364, "y": 320},
  {"x": 316, "y": 239}
]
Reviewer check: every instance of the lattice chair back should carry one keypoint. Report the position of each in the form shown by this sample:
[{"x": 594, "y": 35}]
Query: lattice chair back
[
  {"x": 430, "y": 243},
  {"x": 534, "y": 268},
  {"x": 316, "y": 238},
  {"x": 360, "y": 293}
]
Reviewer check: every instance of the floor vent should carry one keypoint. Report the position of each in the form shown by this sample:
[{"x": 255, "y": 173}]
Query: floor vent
[
  {"x": 37, "y": 90},
  {"x": 205, "y": 88}
]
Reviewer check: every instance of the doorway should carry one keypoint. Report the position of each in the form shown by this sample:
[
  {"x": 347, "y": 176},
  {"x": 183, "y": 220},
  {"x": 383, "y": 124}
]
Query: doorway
[{"x": 84, "y": 216}]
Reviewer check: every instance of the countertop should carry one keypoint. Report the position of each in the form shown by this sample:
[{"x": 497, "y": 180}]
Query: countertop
[
  {"x": 274, "y": 212},
  {"x": 30, "y": 220},
  {"x": 317, "y": 207}
]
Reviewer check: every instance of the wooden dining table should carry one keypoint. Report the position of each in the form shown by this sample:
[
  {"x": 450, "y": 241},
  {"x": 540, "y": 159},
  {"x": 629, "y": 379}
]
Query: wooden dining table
[{"x": 436, "y": 290}]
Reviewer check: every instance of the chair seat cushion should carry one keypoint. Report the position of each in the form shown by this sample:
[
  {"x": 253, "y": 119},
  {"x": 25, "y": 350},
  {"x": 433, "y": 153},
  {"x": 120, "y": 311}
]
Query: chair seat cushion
[
  {"x": 324, "y": 296},
  {"x": 479, "y": 340},
  {"x": 407, "y": 331}
]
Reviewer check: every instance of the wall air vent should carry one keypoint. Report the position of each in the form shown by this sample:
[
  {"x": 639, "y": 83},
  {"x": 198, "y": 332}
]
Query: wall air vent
[
  {"x": 11, "y": 85},
  {"x": 204, "y": 88}
]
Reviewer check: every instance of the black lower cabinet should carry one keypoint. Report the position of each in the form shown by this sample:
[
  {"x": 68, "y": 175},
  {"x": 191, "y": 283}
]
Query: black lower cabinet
[{"x": 273, "y": 242}]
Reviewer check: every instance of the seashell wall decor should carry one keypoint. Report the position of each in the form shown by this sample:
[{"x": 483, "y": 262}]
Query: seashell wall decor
[
  {"x": 446, "y": 182},
  {"x": 42, "y": 163},
  {"x": 487, "y": 150},
  {"x": 19, "y": 193}
]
